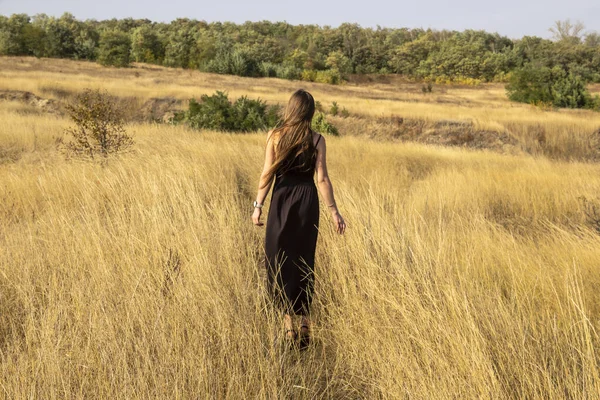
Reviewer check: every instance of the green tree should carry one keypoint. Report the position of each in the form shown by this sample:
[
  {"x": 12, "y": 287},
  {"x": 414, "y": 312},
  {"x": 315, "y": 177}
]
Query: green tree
[
  {"x": 114, "y": 49},
  {"x": 338, "y": 61},
  {"x": 86, "y": 43},
  {"x": 13, "y": 41},
  {"x": 408, "y": 58},
  {"x": 592, "y": 39},
  {"x": 146, "y": 46},
  {"x": 60, "y": 35},
  {"x": 34, "y": 38},
  {"x": 180, "y": 44}
]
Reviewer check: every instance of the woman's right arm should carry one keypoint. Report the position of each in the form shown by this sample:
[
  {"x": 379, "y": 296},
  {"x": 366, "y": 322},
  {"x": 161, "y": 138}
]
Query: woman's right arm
[{"x": 326, "y": 188}]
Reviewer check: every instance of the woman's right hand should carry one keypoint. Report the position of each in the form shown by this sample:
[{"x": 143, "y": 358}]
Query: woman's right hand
[
  {"x": 256, "y": 216},
  {"x": 338, "y": 222}
]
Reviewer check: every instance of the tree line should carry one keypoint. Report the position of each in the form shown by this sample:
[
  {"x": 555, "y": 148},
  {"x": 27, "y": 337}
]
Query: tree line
[{"x": 308, "y": 52}]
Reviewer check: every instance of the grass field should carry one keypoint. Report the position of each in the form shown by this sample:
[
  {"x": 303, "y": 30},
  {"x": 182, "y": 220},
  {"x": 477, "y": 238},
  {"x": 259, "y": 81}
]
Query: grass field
[{"x": 462, "y": 274}]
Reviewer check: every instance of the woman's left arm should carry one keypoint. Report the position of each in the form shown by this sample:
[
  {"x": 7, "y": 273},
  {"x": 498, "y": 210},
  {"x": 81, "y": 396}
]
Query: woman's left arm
[{"x": 264, "y": 190}]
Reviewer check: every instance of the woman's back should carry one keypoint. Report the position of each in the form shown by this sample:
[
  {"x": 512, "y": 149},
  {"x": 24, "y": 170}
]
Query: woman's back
[{"x": 298, "y": 168}]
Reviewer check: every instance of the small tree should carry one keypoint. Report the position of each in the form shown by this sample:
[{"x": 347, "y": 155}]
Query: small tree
[
  {"x": 146, "y": 46},
  {"x": 99, "y": 126}
]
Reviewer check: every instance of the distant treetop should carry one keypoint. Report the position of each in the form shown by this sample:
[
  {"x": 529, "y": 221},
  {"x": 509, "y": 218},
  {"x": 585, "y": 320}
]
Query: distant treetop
[{"x": 308, "y": 52}]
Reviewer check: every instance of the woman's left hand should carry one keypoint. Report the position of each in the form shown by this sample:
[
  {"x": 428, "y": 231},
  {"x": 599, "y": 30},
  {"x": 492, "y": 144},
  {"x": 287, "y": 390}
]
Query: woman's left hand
[{"x": 256, "y": 216}]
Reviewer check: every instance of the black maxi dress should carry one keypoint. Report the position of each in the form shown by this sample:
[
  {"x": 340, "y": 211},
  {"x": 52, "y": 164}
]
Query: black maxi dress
[{"x": 291, "y": 236}]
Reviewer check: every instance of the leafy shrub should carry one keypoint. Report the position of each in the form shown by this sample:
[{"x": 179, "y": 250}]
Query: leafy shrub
[
  {"x": 286, "y": 71},
  {"x": 309, "y": 75},
  {"x": 571, "y": 92},
  {"x": 235, "y": 62},
  {"x": 283, "y": 71},
  {"x": 320, "y": 124},
  {"x": 334, "y": 108},
  {"x": 252, "y": 115},
  {"x": 549, "y": 86},
  {"x": 532, "y": 85},
  {"x": 267, "y": 69},
  {"x": 331, "y": 76},
  {"x": 99, "y": 126},
  {"x": 216, "y": 112}
]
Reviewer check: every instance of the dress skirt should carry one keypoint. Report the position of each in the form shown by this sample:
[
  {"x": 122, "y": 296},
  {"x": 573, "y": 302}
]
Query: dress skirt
[{"x": 290, "y": 243}]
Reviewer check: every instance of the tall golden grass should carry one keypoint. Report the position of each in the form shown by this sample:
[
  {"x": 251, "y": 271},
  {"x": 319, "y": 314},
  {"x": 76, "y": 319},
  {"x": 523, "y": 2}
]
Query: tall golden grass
[
  {"x": 462, "y": 274},
  {"x": 563, "y": 134}
]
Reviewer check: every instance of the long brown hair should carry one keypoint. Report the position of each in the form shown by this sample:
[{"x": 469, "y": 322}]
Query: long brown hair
[{"x": 295, "y": 135}]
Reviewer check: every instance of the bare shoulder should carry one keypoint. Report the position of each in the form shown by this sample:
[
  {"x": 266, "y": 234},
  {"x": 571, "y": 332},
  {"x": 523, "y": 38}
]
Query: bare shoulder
[
  {"x": 318, "y": 140},
  {"x": 272, "y": 134}
]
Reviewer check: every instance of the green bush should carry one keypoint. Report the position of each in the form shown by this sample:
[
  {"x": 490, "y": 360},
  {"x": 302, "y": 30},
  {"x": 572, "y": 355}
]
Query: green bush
[
  {"x": 309, "y": 75},
  {"x": 549, "y": 86},
  {"x": 532, "y": 85},
  {"x": 235, "y": 62},
  {"x": 331, "y": 76},
  {"x": 286, "y": 71},
  {"x": 268, "y": 70},
  {"x": 336, "y": 111},
  {"x": 321, "y": 125},
  {"x": 216, "y": 112},
  {"x": 334, "y": 108},
  {"x": 571, "y": 92}
]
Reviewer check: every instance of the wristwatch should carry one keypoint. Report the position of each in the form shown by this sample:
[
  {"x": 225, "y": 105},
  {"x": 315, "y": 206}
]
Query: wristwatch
[{"x": 257, "y": 204}]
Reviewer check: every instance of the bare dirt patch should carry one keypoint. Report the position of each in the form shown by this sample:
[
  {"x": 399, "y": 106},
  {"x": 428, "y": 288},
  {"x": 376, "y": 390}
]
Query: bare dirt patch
[
  {"x": 443, "y": 132},
  {"x": 30, "y": 99},
  {"x": 160, "y": 109}
]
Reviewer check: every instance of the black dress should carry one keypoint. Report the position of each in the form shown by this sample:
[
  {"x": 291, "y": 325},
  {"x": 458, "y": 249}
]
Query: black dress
[{"x": 291, "y": 236}]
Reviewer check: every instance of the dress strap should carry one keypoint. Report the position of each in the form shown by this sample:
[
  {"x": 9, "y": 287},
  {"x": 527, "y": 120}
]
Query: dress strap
[{"x": 318, "y": 140}]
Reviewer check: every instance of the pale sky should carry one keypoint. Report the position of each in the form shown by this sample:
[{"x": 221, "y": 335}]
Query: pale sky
[{"x": 513, "y": 18}]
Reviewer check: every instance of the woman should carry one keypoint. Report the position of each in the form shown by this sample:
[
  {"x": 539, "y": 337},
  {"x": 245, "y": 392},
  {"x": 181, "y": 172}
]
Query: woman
[{"x": 293, "y": 154}]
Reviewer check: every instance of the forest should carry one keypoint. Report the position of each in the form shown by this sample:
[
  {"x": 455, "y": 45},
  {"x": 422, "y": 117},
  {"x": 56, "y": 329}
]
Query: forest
[{"x": 307, "y": 52}]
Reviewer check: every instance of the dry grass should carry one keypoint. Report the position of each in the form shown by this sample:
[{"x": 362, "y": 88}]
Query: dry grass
[
  {"x": 566, "y": 134},
  {"x": 461, "y": 275}
]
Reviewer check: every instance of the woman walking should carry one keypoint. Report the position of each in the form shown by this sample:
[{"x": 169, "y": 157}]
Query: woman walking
[{"x": 294, "y": 152}]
